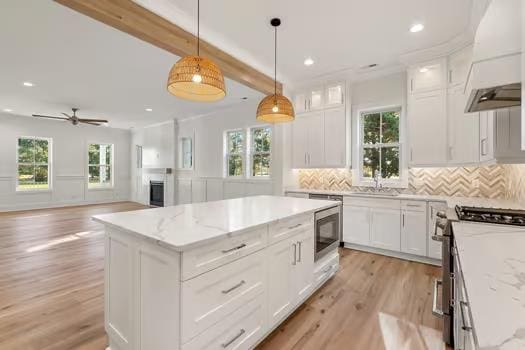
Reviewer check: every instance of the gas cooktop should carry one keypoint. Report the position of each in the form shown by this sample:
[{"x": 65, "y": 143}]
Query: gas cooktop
[{"x": 491, "y": 215}]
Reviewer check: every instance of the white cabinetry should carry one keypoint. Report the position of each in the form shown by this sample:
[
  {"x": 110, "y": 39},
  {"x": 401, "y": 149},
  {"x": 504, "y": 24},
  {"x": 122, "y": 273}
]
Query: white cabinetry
[
  {"x": 428, "y": 76},
  {"x": 334, "y": 138},
  {"x": 385, "y": 228},
  {"x": 304, "y": 265},
  {"x": 319, "y": 97},
  {"x": 356, "y": 224},
  {"x": 458, "y": 67},
  {"x": 427, "y": 128},
  {"x": 486, "y": 136},
  {"x": 414, "y": 228}
]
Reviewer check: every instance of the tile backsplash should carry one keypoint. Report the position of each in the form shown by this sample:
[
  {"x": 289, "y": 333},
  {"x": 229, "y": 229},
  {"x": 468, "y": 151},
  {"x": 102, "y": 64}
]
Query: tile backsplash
[{"x": 492, "y": 181}]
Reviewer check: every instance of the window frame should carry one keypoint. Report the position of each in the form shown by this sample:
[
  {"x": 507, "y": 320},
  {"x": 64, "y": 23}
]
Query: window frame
[
  {"x": 227, "y": 154},
  {"x": 252, "y": 153},
  {"x": 402, "y": 181},
  {"x": 100, "y": 186},
  {"x": 34, "y": 164}
]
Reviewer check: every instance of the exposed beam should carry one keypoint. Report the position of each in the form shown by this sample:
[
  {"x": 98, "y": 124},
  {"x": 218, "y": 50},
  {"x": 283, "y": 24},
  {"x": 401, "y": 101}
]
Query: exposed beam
[{"x": 129, "y": 17}]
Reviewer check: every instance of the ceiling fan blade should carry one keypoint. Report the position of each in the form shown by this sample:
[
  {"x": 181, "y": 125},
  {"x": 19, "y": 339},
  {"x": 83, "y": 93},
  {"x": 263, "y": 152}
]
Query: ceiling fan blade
[
  {"x": 67, "y": 115},
  {"x": 93, "y": 120},
  {"x": 49, "y": 117},
  {"x": 90, "y": 123}
]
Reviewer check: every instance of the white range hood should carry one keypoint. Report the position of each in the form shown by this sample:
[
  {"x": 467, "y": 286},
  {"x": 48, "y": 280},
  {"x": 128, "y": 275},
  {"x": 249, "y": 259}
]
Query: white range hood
[{"x": 495, "y": 75}]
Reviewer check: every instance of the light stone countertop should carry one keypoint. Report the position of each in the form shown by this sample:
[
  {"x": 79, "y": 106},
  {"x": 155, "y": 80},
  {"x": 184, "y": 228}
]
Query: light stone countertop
[
  {"x": 492, "y": 258},
  {"x": 186, "y": 226}
]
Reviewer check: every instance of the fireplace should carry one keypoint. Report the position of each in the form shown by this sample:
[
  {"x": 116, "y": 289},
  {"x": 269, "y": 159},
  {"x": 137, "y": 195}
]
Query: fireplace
[{"x": 156, "y": 193}]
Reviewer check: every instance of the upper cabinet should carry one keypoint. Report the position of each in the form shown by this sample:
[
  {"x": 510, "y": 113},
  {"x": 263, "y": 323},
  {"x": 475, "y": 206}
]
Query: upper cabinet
[
  {"x": 427, "y": 76},
  {"x": 319, "y": 97},
  {"x": 458, "y": 67}
]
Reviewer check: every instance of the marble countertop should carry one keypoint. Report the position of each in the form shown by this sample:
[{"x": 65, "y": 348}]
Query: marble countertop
[
  {"x": 492, "y": 258},
  {"x": 183, "y": 227}
]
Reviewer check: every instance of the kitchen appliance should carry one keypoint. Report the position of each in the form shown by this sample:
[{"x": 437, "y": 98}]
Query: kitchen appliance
[
  {"x": 337, "y": 198},
  {"x": 491, "y": 215},
  {"x": 443, "y": 233},
  {"x": 327, "y": 234}
]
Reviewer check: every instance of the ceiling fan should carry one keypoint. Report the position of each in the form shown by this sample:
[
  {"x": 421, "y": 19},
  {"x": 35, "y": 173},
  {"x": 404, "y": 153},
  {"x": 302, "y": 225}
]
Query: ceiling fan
[{"x": 74, "y": 119}]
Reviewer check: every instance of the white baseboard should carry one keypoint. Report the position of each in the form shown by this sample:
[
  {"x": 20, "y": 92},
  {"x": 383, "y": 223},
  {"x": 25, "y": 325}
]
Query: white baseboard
[
  {"x": 60, "y": 204},
  {"x": 400, "y": 255}
]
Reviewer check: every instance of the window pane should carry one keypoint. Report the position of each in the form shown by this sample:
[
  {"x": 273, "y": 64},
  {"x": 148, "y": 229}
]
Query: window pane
[
  {"x": 390, "y": 162},
  {"x": 390, "y": 127},
  {"x": 371, "y": 128},
  {"x": 26, "y": 175},
  {"x": 234, "y": 165},
  {"x": 261, "y": 165},
  {"x": 370, "y": 161},
  {"x": 41, "y": 175},
  {"x": 261, "y": 140},
  {"x": 94, "y": 174},
  {"x": 94, "y": 154},
  {"x": 235, "y": 142},
  {"x": 41, "y": 151},
  {"x": 26, "y": 150},
  {"x": 105, "y": 154},
  {"x": 105, "y": 175}
]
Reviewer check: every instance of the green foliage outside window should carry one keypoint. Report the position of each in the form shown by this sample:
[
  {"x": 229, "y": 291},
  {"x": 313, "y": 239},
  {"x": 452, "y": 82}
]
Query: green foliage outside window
[
  {"x": 261, "y": 156},
  {"x": 99, "y": 167},
  {"x": 235, "y": 149},
  {"x": 33, "y": 163}
]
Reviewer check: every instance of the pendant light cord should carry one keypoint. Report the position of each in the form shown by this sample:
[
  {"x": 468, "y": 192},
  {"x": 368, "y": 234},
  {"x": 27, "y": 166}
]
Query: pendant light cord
[
  {"x": 275, "y": 64},
  {"x": 198, "y": 27}
]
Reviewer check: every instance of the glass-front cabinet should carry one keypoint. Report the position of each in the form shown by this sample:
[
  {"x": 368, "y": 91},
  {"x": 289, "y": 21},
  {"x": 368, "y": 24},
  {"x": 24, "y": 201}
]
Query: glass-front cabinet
[{"x": 319, "y": 97}]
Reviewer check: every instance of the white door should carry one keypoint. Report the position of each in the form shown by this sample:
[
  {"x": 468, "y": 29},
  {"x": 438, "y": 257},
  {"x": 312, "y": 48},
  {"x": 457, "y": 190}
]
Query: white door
[
  {"x": 300, "y": 142},
  {"x": 304, "y": 265},
  {"x": 315, "y": 139},
  {"x": 414, "y": 232},
  {"x": 385, "y": 229},
  {"x": 335, "y": 138},
  {"x": 334, "y": 94},
  {"x": 463, "y": 129},
  {"x": 427, "y": 120},
  {"x": 356, "y": 225},
  {"x": 281, "y": 291}
]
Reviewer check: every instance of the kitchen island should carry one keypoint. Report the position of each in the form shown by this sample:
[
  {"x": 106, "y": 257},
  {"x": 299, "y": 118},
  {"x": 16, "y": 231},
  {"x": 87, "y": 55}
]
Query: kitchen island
[{"x": 219, "y": 274}]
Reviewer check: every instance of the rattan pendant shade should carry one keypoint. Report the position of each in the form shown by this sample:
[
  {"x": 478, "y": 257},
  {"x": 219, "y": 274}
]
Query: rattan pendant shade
[
  {"x": 181, "y": 80},
  {"x": 275, "y": 108}
]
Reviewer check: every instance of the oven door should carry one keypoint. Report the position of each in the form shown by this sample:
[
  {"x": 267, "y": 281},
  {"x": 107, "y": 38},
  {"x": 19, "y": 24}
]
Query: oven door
[{"x": 327, "y": 226}]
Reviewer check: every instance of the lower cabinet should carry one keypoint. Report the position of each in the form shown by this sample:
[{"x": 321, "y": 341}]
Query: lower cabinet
[
  {"x": 290, "y": 268},
  {"x": 385, "y": 229},
  {"x": 414, "y": 232},
  {"x": 356, "y": 224}
]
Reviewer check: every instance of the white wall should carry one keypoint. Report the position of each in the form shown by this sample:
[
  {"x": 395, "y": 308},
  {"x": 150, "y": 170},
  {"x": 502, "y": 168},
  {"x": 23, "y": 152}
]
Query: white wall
[{"x": 69, "y": 163}]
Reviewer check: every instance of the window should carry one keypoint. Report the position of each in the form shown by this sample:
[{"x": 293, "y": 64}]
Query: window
[
  {"x": 380, "y": 146},
  {"x": 260, "y": 155},
  {"x": 100, "y": 165},
  {"x": 185, "y": 153},
  {"x": 33, "y": 162},
  {"x": 235, "y": 153}
]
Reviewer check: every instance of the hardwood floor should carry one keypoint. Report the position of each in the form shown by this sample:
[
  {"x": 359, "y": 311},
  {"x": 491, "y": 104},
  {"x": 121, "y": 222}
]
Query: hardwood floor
[{"x": 51, "y": 292}]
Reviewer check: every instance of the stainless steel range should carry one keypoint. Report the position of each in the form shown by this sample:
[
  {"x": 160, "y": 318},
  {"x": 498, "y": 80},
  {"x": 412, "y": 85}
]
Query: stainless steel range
[{"x": 491, "y": 215}]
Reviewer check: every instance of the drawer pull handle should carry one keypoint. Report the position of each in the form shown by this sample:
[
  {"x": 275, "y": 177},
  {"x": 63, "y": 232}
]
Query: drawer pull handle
[
  {"x": 234, "y": 248},
  {"x": 328, "y": 268},
  {"x": 234, "y": 287},
  {"x": 413, "y": 205},
  {"x": 294, "y": 226},
  {"x": 229, "y": 342},
  {"x": 435, "y": 310}
]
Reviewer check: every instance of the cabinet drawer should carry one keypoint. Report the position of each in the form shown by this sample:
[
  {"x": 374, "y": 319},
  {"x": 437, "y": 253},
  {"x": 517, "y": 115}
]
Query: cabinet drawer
[
  {"x": 325, "y": 268},
  {"x": 287, "y": 227},
  {"x": 209, "y": 298},
  {"x": 211, "y": 256},
  {"x": 240, "y": 330},
  {"x": 372, "y": 202},
  {"x": 414, "y": 205}
]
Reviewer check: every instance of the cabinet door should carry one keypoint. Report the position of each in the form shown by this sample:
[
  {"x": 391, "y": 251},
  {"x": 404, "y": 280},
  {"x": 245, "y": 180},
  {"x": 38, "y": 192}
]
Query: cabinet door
[
  {"x": 300, "y": 102},
  {"x": 315, "y": 139},
  {"x": 304, "y": 266},
  {"x": 334, "y": 94},
  {"x": 486, "y": 136},
  {"x": 335, "y": 138},
  {"x": 316, "y": 98},
  {"x": 434, "y": 247},
  {"x": 385, "y": 229},
  {"x": 459, "y": 66},
  {"x": 356, "y": 225},
  {"x": 427, "y": 118},
  {"x": 300, "y": 142},
  {"x": 463, "y": 129},
  {"x": 426, "y": 77},
  {"x": 508, "y": 135},
  {"x": 414, "y": 232},
  {"x": 281, "y": 293}
]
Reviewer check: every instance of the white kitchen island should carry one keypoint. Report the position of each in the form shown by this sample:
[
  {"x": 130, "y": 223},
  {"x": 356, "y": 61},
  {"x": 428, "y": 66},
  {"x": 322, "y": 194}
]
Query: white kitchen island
[{"x": 214, "y": 275}]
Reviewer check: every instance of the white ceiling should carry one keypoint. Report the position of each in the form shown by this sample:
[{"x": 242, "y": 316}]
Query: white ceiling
[
  {"x": 75, "y": 61},
  {"x": 337, "y": 34}
]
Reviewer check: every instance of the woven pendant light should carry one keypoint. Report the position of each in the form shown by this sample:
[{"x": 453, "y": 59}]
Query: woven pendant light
[
  {"x": 196, "y": 78},
  {"x": 275, "y": 108}
]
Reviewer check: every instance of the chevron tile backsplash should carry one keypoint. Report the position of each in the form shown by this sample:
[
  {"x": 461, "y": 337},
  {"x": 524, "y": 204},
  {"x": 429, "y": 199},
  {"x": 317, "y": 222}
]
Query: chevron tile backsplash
[{"x": 494, "y": 181}]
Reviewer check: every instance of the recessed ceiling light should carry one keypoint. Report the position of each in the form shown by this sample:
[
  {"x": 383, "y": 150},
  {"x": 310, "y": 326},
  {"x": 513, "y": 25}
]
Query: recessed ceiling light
[
  {"x": 8, "y": 110},
  {"x": 423, "y": 69},
  {"x": 149, "y": 110},
  {"x": 27, "y": 83},
  {"x": 417, "y": 28},
  {"x": 308, "y": 62}
]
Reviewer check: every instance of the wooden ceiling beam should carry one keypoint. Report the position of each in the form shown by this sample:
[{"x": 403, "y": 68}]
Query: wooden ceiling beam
[{"x": 131, "y": 18}]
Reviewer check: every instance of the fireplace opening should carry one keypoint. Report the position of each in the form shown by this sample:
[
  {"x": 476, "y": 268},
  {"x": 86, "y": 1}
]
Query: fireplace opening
[{"x": 156, "y": 193}]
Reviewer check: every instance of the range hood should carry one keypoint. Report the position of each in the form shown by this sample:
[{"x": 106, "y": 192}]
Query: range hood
[{"x": 495, "y": 75}]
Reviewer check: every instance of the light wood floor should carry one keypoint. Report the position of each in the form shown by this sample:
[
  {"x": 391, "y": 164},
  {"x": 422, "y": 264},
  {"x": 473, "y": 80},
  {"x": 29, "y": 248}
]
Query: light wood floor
[{"x": 51, "y": 292}]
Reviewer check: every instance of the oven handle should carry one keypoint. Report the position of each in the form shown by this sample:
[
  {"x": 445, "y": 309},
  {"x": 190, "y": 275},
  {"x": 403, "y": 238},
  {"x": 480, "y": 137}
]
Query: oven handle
[
  {"x": 439, "y": 225},
  {"x": 463, "y": 318},
  {"x": 435, "y": 311}
]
